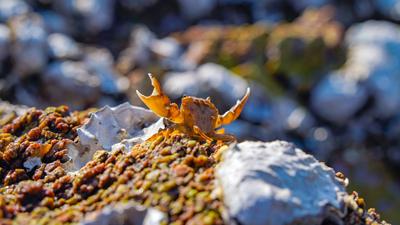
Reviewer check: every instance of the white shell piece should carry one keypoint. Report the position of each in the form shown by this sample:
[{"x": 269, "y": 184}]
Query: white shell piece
[
  {"x": 110, "y": 128},
  {"x": 125, "y": 213},
  {"x": 32, "y": 162},
  {"x": 274, "y": 183}
]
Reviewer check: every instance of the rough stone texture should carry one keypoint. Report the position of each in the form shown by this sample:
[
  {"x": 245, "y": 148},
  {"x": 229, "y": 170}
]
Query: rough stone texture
[{"x": 275, "y": 183}]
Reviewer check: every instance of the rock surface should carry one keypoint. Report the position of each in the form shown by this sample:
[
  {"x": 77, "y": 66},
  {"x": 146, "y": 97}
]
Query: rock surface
[{"x": 279, "y": 179}]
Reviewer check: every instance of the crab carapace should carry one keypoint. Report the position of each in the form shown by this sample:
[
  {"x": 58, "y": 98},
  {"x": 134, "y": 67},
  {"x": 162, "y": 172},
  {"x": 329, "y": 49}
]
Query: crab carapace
[{"x": 196, "y": 116}]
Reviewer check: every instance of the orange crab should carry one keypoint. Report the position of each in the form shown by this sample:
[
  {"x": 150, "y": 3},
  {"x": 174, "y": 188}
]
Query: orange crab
[{"x": 196, "y": 115}]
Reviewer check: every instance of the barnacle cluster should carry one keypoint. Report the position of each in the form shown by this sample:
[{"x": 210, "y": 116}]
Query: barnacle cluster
[
  {"x": 356, "y": 208},
  {"x": 34, "y": 139},
  {"x": 173, "y": 172},
  {"x": 359, "y": 214}
]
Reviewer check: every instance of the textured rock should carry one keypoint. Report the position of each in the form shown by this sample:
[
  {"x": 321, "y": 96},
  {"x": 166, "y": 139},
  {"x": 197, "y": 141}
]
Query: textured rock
[{"x": 275, "y": 183}]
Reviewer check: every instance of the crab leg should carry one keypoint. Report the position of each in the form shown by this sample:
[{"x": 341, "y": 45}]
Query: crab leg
[
  {"x": 160, "y": 104},
  {"x": 234, "y": 112},
  {"x": 199, "y": 132}
]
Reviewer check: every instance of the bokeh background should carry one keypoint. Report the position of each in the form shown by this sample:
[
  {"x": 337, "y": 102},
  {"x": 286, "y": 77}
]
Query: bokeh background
[{"x": 324, "y": 74}]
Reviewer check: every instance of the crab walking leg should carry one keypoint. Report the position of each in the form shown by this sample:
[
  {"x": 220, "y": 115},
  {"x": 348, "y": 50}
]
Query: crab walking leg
[
  {"x": 160, "y": 104},
  {"x": 224, "y": 137},
  {"x": 234, "y": 112},
  {"x": 199, "y": 132}
]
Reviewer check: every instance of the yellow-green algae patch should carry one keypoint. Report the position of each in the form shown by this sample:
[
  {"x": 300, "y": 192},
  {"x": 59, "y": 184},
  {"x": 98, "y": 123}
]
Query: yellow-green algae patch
[{"x": 173, "y": 173}]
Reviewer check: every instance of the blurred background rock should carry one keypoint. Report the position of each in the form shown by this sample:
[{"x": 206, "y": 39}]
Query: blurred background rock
[{"x": 325, "y": 74}]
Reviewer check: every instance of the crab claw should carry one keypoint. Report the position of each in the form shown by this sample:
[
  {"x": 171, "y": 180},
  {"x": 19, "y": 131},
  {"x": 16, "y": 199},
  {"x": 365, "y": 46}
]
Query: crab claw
[
  {"x": 234, "y": 112},
  {"x": 159, "y": 103}
]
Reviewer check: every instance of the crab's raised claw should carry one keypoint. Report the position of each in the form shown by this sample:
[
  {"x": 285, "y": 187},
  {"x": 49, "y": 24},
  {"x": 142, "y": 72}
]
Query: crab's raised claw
[
  {"x": 160, "y": 104},
  {"x": 234, "y": 112}
]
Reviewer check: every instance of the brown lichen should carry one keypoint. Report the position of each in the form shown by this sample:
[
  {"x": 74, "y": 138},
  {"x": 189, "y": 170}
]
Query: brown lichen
[
  {"x": 36, "y": 134},
  {"x": 180, "y": 184}
]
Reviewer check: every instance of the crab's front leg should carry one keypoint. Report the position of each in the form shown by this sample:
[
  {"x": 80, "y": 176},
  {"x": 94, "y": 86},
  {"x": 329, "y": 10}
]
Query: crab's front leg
[
  {"x": 234, "y": 112},
  {"x": 218, "y": 135},
  {"x": 199, "y": 132},
  {"x": 160, "y": 104}
]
